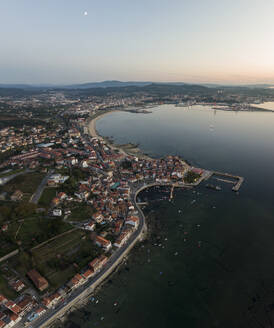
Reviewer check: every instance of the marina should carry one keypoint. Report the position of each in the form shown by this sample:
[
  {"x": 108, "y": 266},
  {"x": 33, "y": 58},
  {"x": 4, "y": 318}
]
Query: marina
[{"x": 236, "y": 185}]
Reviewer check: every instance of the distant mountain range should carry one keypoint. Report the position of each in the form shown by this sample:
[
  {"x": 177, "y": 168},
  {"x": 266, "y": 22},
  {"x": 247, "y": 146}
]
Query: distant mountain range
[
  {"x": 119, "y": 84},
  {"x": 88, "y": 85}
]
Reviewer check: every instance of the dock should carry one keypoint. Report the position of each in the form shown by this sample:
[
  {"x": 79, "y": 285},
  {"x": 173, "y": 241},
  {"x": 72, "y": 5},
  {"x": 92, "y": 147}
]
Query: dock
[
  {"x": 237, "y": 185},
  {"x": 171, "y": 192}
]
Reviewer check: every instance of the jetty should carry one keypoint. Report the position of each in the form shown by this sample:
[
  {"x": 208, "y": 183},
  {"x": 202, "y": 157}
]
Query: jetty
[
  {"x": 236, "y": 184},
  {"x": 171, "y": 192}
]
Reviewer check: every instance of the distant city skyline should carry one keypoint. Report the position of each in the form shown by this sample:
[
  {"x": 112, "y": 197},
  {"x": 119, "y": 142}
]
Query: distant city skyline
[{"x": 69, "y": 42}]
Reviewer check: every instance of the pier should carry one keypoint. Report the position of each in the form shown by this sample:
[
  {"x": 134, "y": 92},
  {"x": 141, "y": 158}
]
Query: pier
[
  {"x": 237, "y": 185},
  {"x": 171, "y": 192},
  {"x": 142, "y": 203}
]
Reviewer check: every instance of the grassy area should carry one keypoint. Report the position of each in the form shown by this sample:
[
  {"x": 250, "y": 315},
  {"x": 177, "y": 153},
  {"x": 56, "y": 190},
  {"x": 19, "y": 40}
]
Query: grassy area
[
  {"x": 61, "y": 258},
  {"x": 81, "y": 212},
  {"x": 6, "y": 245},
  {"x": 33, "y": 231},
  {"x": 5, "y": 289},
  {"x": 47, "y": 196},
  {"x": 27, "y": 183},
  {"x": 191, "y": 177}
]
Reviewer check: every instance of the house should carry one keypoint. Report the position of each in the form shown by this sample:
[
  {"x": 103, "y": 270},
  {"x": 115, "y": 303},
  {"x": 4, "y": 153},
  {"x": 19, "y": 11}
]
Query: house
[
  {"x": 17, "y": 195},
  {"x": 102, "y": 242},
  {"x": 88, "y": 273},
  {"x": 62, "y": 195},
  {"x": 98, "y": 217},
  {"x": 9, "y": 320},
  {"x": 55, "y": 201},
  {"x": 56, "y": 178},
  {"x": 13, "y": 307},
  {"x": 39, "y": 281},
  {"x": 84, "y": 164},
  {"x": 51, "y": 183},
  {"x": 57, "y": 212},
  {"x": 4, "y": 227},
  {"x": 3, "y": 299},
  {"x": 133, "y": 221},
  {"x": 26, "y": 304},
  {"x": 98, "y": 263},
  {"x": 76, "y": 281},
  {"x": 17, "y": 285},
  {"x": 40, "y": 311},
  {"x": 51, "y": 300},
  {"x": 90, "y": 226},
  {"x": 122, "y": 239}
]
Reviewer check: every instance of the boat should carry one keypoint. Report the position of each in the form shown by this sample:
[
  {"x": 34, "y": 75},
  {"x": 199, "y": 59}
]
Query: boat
[{"x": 211, "y": 186}]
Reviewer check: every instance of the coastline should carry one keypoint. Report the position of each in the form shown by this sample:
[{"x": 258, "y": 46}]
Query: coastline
[
  {"x": 81, "y": 299},
  {"x": 126, "y": 149},
  {"x": 92, "y": 123}
]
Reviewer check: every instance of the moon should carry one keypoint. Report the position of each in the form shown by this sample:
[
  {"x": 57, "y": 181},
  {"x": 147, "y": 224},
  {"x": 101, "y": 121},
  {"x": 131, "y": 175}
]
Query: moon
[{"x": 85, "y": 13}]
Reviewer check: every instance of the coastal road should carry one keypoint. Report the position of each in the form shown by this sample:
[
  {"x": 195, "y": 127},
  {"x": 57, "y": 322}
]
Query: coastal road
[
  {"x": 86, "y": 289},
  {"x": 36, "y": 196}
]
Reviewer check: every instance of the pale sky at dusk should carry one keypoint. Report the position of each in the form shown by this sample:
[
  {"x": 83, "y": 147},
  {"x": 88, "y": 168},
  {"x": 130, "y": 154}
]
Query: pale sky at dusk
[{"x": 75, "y": 41}]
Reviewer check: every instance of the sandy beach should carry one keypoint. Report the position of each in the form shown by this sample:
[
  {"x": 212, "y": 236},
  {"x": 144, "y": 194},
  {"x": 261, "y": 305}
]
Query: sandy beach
[
  {"x": 127, "y": 149},
  {"x": 92, "y": 124}
]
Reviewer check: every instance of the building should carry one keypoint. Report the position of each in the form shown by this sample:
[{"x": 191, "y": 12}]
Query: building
[
  {"x": 88, "y": 273},
  {"x": 17, "y": 285},
  {"x": 76, "y": 281},
  {"x": 13, "y": 307},
  {"x": 102, "y": 242},
  {"x": 26, "y": 304},
  {"x": 39, "y": 281},
  {"x": 133, "y": 221},
  {"x": 90, "y": 226},
  {"x": 17, "y": 195},
  {"x": 51, "y": 300},
  {"x": 98, "y": 263},
  {"x": 57, "y": 212},
  {"x": 3, "y": 299},
  {"x": 122, "y": 239}
]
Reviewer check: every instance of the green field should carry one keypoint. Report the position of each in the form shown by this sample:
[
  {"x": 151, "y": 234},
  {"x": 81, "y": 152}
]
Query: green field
[
  {"x": 81, "y": 212},
  {"x": 47, "y": 196},
  {"x": 5, "y": 289},
  {"x": 35, "y": 230},
  {"x": 61, "y": 258},
  {"x": 27, "y": 183}
]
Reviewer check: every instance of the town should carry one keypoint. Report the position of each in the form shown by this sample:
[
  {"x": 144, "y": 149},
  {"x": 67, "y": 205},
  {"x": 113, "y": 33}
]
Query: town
[{"x": 69, "y": 205}]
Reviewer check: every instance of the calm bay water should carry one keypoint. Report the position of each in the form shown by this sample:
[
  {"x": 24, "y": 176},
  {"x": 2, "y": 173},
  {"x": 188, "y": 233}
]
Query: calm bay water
[{"x": 208, "y": 261}]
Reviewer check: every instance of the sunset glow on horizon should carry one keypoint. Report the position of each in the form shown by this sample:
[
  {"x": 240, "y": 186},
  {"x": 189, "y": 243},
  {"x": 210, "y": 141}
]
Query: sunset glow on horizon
[{"x": 71, "y": 41}]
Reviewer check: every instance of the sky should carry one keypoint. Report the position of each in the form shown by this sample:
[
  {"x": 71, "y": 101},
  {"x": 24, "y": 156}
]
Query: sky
[{"x": 77, "y": 41}]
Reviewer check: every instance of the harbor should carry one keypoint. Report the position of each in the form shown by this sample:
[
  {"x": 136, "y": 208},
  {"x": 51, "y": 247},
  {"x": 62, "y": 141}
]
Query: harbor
[{"x": 236, "y": 184}]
